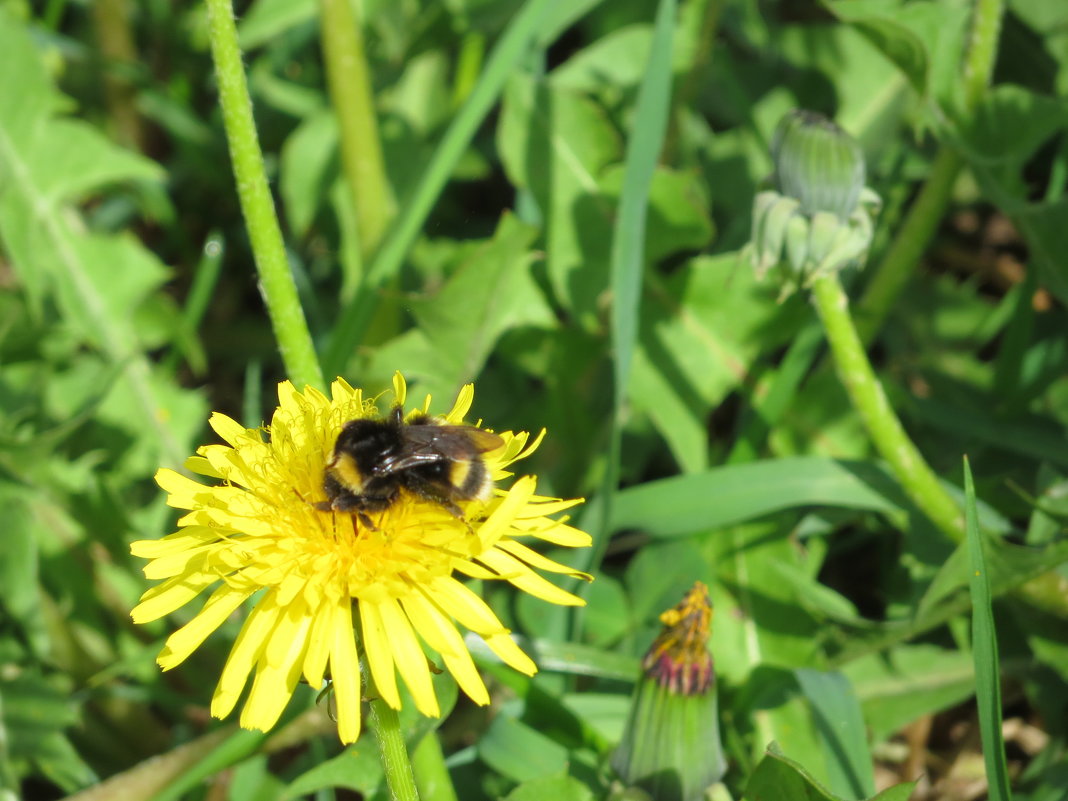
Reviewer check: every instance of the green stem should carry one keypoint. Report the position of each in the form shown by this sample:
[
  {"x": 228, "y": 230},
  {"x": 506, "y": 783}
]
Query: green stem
[
  {"x": 869, "y": 399},
  {"x": 352, "y": 96},
  {"x": 386, "y": 724},
  {"x": 276, "y": 280},
  {"x": 431, "y": 776},
  {"x": 982, "y": 50}
]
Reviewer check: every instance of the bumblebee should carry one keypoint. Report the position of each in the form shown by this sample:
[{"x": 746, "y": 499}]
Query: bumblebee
[{"x": 375, "y": 460}]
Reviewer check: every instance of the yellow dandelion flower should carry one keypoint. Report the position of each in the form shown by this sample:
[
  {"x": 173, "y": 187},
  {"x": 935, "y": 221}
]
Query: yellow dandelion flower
[{"x": 329, "y": 588}]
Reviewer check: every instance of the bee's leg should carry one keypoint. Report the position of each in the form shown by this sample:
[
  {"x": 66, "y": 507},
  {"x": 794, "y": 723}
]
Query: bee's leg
[{"x": 363, "y": 518}]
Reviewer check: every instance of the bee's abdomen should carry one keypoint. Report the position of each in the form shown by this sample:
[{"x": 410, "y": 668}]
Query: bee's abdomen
[{"x": 470, "y": 479}]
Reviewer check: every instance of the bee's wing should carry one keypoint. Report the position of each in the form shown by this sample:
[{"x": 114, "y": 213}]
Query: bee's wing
[
  {"x": 484, "y": 441},
  {"x": 426, "y": 444}
]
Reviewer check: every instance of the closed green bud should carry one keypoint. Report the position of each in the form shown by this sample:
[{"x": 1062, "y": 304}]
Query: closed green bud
[
  {"x": 819, "y": 217},
  {"x": 671, "y": 746},
  {"x": 817, "y": 163}
]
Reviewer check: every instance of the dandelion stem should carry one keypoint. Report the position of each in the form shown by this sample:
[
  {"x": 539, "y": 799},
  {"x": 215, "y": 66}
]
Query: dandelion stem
[
  {"x": 915, "y": 475},
  {"x": 352, "y": 96},
  {"x": 276, "y": 281},
  {"x": 398, "y": 769}
]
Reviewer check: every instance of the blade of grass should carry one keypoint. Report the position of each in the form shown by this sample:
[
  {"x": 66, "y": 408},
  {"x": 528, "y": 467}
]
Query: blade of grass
[
  {"x": 985, "y": 652},
  {"x": 628, "y": 247},
  {"x": 205, "y": 277},
  {"x": 508, "y": 52}
]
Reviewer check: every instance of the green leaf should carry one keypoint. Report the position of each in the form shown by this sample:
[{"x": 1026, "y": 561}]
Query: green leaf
[
  {"x": 1007, "y": 566},
  {"x": 579, "y": 660},
  {"x": 607, "y": 610},
  {"x": 760, "y": 624},
  {"x": 357, "y": 768},
  {"x": 18, "y": 560},
  {"x": 556, "y": 143},
  {"x": 34, "y": 712},
  {"x": 841, "y": 730},
  {"x": 880, "y": 23},
  {"x": 252, "y": 780},
  {"x": 678, "y": 211},
  {"x": 269, "y": 19},
  {"x": 490, "y": 292},
  {"x": 519, "y": 752},
  {"x": 925, "y": 40},
  {"x": 558, "y": 788},
  {"x": 778, "y": 778},
  {"x": 1010, "y": 123},
  {"x": 723, "y": 496},
  {"x": 629, "y": 231},
  {"x": 905, "y": 683},
  {"x": 701, "y": 331},
  {"x": 48, "y": 163},
  {"x": 985, "y": 651},
  {"x": 308, "y": 167}
]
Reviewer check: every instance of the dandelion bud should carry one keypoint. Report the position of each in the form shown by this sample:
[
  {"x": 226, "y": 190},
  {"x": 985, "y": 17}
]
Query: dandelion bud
[
  {"x": 817, "y": 163},
  {"x": 671, "y": 746},
  {"x": 819, "y": 218}
]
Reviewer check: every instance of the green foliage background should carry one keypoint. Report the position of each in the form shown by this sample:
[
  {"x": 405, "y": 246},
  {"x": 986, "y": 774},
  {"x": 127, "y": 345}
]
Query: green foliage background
[{"x": 129, "y": 308}]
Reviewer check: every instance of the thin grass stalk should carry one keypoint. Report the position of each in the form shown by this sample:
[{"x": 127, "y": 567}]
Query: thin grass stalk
[
  {"x": 644, "y": 146},
  {"x": 985, "y": 652}
]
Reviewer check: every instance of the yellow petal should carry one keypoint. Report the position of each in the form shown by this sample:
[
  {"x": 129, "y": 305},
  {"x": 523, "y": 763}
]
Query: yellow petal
[
  {"x": 540, "y": 507},
  {"x": 182, "y": 492},
  {"x": 501, "y": 518},
  {"x": 376, "y": 645},
  {"x": 400, "y": 388},
  {"x": 521, "y": 576},
  {"x": 170, "y": 595},
  {"x": 471, "y": 570},
  {"x": 278, "y": 669},
  {"x": 319, "y": 639},
  {"x": 459, "y": 602},
  {"x": 228, "y": 428},
  {"x": 345, "y": 672},
  {"x": 244, "y": 655},
  {"x": 441, "y": 635},
  {"x": 186, "y": 539},
  {"x": 511, "y": 654},
  {"x": 409, "y": 657},
  {"x": 462, "y": 405},
  {"x": 190, "y": 560},
  {"x": 535, "y": 559},
  {"x": 557, "y": 534},
  {"x": 188, "y": 638},
  {"x": 201, "y": 466}
]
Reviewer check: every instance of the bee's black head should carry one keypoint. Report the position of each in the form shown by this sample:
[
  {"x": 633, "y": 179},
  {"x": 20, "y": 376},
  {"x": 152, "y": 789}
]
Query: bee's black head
[{"x": 369, "y": 441}]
